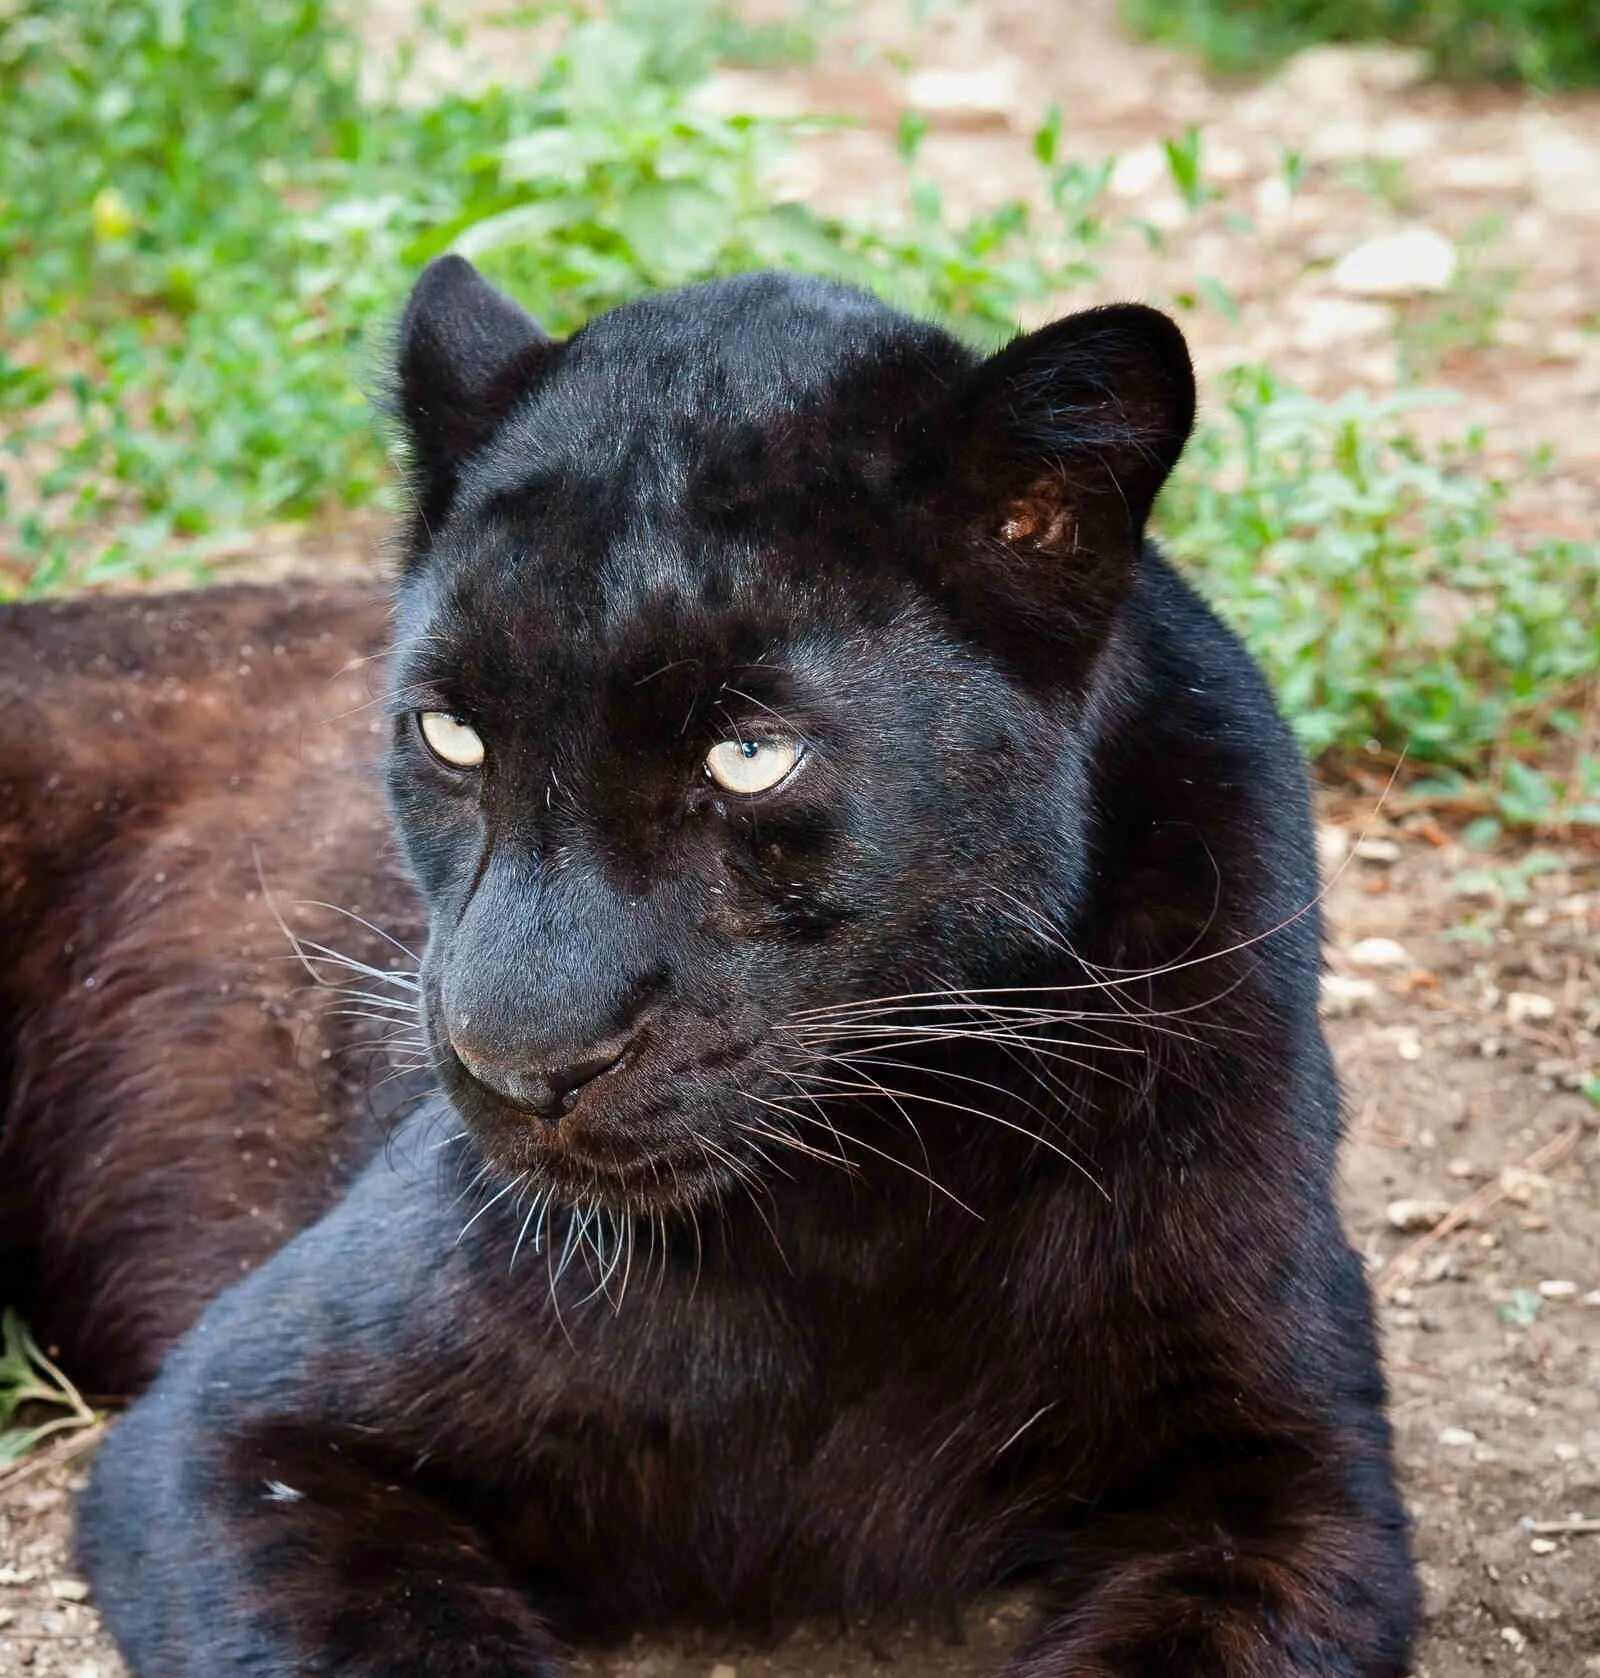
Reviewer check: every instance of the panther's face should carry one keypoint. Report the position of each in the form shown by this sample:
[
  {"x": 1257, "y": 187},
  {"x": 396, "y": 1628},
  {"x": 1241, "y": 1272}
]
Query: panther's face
[{"x": 740, "y": 677}]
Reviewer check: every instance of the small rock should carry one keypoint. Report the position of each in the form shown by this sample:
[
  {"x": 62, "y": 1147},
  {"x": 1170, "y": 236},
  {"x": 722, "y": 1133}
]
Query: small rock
[
  {"x": 1543, "y": 1546},
  {"x": 1592, "y": 1299},
  {"x": 1333, "y": 845},
  {"x": 1413, "y": 262},
  {"x": 1409, "y": 1047},
  {"x": 1437, "y": 1267},
  {"x": 1514, "y": 1637},
  {"x": 1139, "y": 171},
  {"x": 1323, "y": 323},
  {"x": 1557, "y": 1288},
  {"x": 721, "y": 1670},
  {"x": 1378, "y": 850},
  {"x": 1462, "y": 1169},
  {"x": 992, "y": 92},
  {"x": 1342, "y": 996},
  {"x": 1524, "y": 1186},
  {"x": 1334, "y": 75},
  {"x": 69, "y": 1590},
  {"x": 1416, "y": 1216},
  {"x": 1457, "y": 1438},
  {"x": 1379, "y": 952},
  {"x": 1524, "y": 1005}
]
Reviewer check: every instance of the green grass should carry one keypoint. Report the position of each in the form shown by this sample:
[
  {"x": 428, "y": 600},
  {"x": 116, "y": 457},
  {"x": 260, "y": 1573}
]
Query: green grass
[
  {"x": 191, "y": 320},
  {"x": 1548, "y": 44},
  {"x": 205, "y": 231},
  {"x": 1380, "y": 585}
]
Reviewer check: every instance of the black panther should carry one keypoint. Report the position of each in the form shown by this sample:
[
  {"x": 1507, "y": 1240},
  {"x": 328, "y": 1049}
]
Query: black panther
[{"x": 850, "y": 1124}]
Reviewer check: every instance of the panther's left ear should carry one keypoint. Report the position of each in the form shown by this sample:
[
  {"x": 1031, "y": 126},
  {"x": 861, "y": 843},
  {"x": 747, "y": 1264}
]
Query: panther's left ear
[
  {"x": 466, "y": 353},
  {"x": 1051, "y": 453}
]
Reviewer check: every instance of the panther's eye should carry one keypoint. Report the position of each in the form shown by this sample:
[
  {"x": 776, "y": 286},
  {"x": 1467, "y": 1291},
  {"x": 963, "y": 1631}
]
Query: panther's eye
[
  {"x": 751, "y": 765},
  {"x": 450, "y": 739}
]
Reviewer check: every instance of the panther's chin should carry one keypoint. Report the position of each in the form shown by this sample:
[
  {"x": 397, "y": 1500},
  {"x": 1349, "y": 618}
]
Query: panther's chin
[{"x": 594, "y": 1157}]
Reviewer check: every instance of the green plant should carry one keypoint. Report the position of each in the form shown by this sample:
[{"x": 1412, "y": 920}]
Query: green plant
[
  {"x": 189, "y": 326},
  {"x": 28, "y": 1377},
  {"x": 1465, "y": 316},
  {"x": 1373, "y": 580},
  {"x": 187, "y": 320},
  {"x": 1546, "y": 43}
]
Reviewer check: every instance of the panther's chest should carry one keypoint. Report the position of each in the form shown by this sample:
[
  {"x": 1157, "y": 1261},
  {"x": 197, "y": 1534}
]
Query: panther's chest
[{"x": 788, "y": 1476}]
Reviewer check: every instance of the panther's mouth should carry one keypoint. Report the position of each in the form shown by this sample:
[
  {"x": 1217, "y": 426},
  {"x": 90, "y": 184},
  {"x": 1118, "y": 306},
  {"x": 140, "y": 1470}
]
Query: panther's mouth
[{"x": 625, "y": 1142}]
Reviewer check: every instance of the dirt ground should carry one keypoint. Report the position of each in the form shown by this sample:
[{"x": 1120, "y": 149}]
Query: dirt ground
[{"x": 1463, "y": 996}]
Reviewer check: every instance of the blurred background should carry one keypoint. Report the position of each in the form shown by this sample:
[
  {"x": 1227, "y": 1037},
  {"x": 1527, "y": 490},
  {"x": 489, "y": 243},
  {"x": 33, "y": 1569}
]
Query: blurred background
[{"x": 1379, "y": 222}]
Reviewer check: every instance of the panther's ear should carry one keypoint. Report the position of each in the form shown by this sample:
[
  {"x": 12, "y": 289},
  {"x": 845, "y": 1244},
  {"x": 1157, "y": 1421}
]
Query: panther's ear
[
  {"x": 1050, "y": 455},
  {"x": 466, "y": 353}
]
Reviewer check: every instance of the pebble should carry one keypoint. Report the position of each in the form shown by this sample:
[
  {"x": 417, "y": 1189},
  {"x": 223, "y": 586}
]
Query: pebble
[
  {"x": 1334, "y": 76},
  {"x": 1333, "y": 843},
  {"x": 1379, "y": 952},
  {"x": 1558, "y": 1289},
  {"x": 1342, "y": 996},
  {"x": 1416, "y": 1216},
  {"x": 1457, "y": 1438},
  {"x": 1413, "y": 262},
  {"x": 1515, "y": 1638},
  {"x": 1523, "y": 1186},
  {"x": 1323, "y": 323},
  {"x": 992, "y": 92},
  {"x": 1543, "y": 1546},
  {"x": 1378, "y": 850},
  {"x": 69, "y": 1590},
  {"x": 1528, "y": 1005}
]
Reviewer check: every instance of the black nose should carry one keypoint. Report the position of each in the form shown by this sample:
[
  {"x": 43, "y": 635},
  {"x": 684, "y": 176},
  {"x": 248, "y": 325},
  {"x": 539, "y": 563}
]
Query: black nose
[{"x": 546, "y": 1091}]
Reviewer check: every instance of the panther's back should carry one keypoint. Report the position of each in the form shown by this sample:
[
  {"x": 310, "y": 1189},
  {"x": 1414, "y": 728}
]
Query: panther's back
[{"x": 167, "y": 1070}]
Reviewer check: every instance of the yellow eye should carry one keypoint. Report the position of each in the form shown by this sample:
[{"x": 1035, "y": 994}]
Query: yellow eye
[
  {"x": 751, "y": 765},
  {"x": 451, "y": 739}
]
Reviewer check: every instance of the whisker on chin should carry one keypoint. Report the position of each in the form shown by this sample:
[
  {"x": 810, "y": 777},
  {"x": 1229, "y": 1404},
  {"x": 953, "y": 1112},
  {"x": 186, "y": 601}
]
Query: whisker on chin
[
  {"x": 766, "y": 1133},
  {"x": 856, "y": 1141},
  {"x": 493, "y": 1200},
  {"x": 872, "y": 1088}
]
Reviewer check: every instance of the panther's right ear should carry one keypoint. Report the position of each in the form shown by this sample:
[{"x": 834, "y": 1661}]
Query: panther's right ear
[{"x": 466, "y": 353}]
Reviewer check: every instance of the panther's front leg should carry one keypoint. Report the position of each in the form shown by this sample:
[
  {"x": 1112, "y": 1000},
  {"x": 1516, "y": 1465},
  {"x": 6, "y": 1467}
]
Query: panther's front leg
[
  {"x": 1250, "y": 1526},
  {"x": 282, "y": 1550},
  {"x": 295, "y": 1493},
  {"x": 1256, "y": 1565}
]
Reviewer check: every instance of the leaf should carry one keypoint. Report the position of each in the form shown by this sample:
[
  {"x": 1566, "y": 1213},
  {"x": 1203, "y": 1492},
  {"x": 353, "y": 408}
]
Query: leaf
[
  {"x": 675, "y": 228},
  {"x": 527, "y": 224}
]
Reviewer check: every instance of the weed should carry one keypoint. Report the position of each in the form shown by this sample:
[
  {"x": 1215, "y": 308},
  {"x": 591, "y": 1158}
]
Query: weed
[
  {"x": 188, "y": 324},
  {"x": 28, "y": 1377},
  {"x": 1465, "y": 316},
  {"x": 1545, "y": 43},
  {"x": 1374, "y": 583}
]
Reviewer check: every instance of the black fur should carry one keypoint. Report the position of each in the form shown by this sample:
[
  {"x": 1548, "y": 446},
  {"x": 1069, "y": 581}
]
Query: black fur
[{"x": 1077, "y": 1306}]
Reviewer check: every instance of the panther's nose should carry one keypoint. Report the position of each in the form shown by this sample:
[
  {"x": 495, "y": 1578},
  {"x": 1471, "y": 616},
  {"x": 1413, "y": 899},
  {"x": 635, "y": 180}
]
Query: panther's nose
[{"x": 547, "y": 1091}]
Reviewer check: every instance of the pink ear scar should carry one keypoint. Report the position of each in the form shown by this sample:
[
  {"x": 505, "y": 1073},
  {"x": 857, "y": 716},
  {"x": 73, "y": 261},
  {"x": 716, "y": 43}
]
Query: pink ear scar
[{"x": 1044, "y": 522}]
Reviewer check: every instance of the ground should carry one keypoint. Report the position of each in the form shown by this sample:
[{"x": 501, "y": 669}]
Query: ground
[{"x": 1463, "y": 998}]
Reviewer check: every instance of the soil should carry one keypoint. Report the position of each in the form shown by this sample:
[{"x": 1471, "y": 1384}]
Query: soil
[{"x": 1463, "y": 998}]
